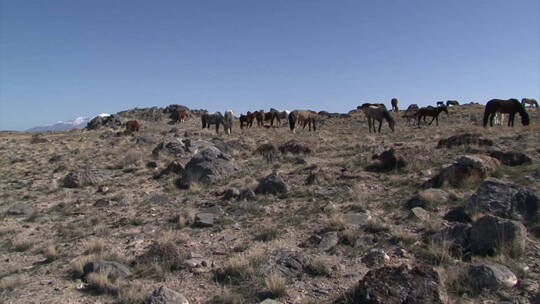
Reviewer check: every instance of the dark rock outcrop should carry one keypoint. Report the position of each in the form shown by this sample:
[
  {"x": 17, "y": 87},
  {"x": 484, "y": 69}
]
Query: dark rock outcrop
[
  {"x": 272, "y": 184},
  {"x": 85, "y": 177},
  {"x": 465, "y": 171},
  {"x": 491, "y": 235},
  {"x": 207, "y": 167},
  {"x": 463, "y": 139}
]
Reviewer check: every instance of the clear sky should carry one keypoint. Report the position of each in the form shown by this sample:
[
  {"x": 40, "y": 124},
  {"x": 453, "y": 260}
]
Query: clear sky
[{"x": 69, "y": 58}]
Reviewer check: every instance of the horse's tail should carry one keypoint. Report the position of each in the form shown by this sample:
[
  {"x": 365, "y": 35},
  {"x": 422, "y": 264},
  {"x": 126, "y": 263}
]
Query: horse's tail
[
  {"x": 389, "y": 118},
  {"x": 292, "y": 120},
  {"x": 525, "y": 120}
]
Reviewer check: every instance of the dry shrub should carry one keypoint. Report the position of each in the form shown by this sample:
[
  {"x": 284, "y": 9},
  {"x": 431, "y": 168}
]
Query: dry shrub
[
  {"x": 77, "y": 265},
  {"x": 166, "y": 254},
  {"x": 225, "y": 296},
  {"x": 11, "y": 283},
  {"x": 276, "y": 285},
  {"x": 50, "y": 253},
  {"x": 131, "y": 294},
  {"x": 335, "y": 222},
  {"x": 100, "y": 282},
  {"x": 318, "y": 267},
  {"x": 241, "y": 267},
  {"x": 21, "y": 244},
  {"x": 96, "y": 246},
  {"x": 132, "y": 158},
  {"x": 267, "y": 234}
]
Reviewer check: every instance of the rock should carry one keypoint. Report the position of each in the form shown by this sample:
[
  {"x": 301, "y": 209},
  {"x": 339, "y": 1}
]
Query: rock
[
  {"x": 270, "y": 301},
  {"x": 247, "y": 195},
  {"x": 465, "y": 171},
  {"x": 269, "y": 151},
  {"x": 205, "y": 219},
  {"x": 505, "y": 199},
  {"x": 421, "y": 213},
  {"x": 114, "y": 269},
  {"x": 490, "y": 235},
  {"x": 375, "y": 258},
  {"x": 148, "y": 139},
  {"x": 535, "y": 231},
  {"x": 85, "y": 177},
  {"x": 492, "y": 276},
  {"x": 148, "y": 114},
  {"x": 175, "y": 167},
  {"x": 296, "y": 147},
  {"x": 396, "y": 285},
  {"x": 207, "y": 167},
  {"x": 232, "y": 146},
  {"x": 458, "y": 236},
  {"x": 56, "y": 158},
  {"x": 511, "y": 158},
  {"x": 231, "y": 193},
  {"x": 428, "y": 199},
  {"x": 272, "y": 184},
  {"x": 388, "y": 162},
  {"x": 356, "y": 219},
  {"x": 457, "y": 214},
  {"x": 19, "y": 209},
  {"x": 176, "y": 148},
  {"x": 111, "y": 121},
  {"x": 328, "y": 241},
  {"x": 160, "y": 199},
  {"x": 164, "y": 295},
  {"x": 463, "y": 139},
  {"x": 292, "y": 264}
]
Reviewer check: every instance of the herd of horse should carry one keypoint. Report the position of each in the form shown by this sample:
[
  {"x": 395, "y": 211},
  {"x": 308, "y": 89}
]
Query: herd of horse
[{"x": 374, "y": 112}]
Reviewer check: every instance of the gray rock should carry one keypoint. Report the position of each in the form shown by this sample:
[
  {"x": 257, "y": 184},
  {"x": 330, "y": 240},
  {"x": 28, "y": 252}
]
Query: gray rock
[
  {"x": 164, "y": 295},
  {"x": 147, "y": 139},
  {"x": 491, "y": 276},
  {"x": 375, "y": 258},
  {"x": 112, "y": 121},
  {"x": 85, "y": 177},
  {"x": 420, "y": 284},
  {"x": 421, "y": 214},
  {"x": 490, "y": 235},
  {"x": 506, "y": 200},
  {"x": 465, "y": 171},
  {"x": 511, "y": 158},
  {"x": 247, "y": 195},
  {"x": 457, "y": 214},
  {"x": 207, "y": 167},
  {"x": 175, "y": 167},
  {"x": 463, "y": 139},
  {"x": 20, "y": 209},
  {"x": 231, "y": 193},
  {"x": 114, "y": 269},
  {"x": 205, "y": 219},
  {"x": 329, "y": 240},
  {"x": 458, "y": 236},
  {"x": 356, "y": 219},
  {"x": 272, "y": 184}
]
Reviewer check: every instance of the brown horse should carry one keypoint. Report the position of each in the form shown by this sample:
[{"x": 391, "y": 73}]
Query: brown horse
[
  {"x": 510, "y": 106},
  {"x": 271, "y": 116},
  {"x": 247, "y": 120},
  {"x": 181, "y": 115},
  {"x": 133, "y": 126},
  {"x": 431, "y": 112},
  {"x": 304, "y": 117},
  {"x": 529, "y": 101},
  {"x": 394, "y": 103}
]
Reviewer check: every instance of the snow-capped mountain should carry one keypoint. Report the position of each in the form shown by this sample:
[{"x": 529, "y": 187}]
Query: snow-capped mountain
[{"x": 77, "y": 123}]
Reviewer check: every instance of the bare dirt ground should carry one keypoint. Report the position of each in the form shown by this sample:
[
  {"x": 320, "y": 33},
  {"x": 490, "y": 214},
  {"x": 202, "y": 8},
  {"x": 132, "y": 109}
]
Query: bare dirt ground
[{"x": 43, "y": 251}]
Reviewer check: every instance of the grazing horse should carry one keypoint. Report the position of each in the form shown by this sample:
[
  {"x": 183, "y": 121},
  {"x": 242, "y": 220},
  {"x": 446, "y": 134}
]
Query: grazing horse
[
  {"x": 247, "y": 119},
  {"x": 529, "y": 101},
  {"x": 228, "y": 121},
  {"x": 181, "y": 115},
  {"x": 259, "y": 116},
  {"x": 394, "y": 103},
  {"x": 431, "y": 112},
  {"x": 380, "y": 105},
  {"x": 208, "y": 119},
  {"x": 271, "y": 116},
  {"x": 440, "y": 103},
  {"x": 133, "y": 126},
  {"x": 304, "y": 117},
  {"x": 410, "y": 113},
  {"x": 510, "y": 106},
  {"x": 452, "y": 103},
  {"x": 281, "y": 114},
  {"x": 378, "y": 113}
]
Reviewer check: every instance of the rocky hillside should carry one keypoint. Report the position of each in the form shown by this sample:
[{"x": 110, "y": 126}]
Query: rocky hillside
[{"x": 176, "y": 214}]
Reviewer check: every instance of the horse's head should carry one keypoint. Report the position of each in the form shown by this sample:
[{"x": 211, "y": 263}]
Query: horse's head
[
  {"x": 444, "y": 109},
  {"x": 525, "y": 120}
]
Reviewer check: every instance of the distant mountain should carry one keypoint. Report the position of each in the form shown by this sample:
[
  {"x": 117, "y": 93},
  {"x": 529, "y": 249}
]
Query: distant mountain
[{"x": 77, "y": 123}]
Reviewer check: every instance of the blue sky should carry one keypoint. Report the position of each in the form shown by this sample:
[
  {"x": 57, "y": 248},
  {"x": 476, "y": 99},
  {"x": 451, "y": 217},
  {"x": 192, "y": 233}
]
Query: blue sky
[{"x": 63, "y": 59}]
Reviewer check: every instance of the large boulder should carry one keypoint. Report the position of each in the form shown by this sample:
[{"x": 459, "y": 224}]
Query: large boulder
[
  {"x": 176, "y": 148},
  {"x": 492, "y": 276},
  {"x": 505, "y": 199},
  {"x": 84, "y": 177},
  {"x": 465, "y": 171},
  {"x": 397, "y": 285},
  {"x": 511, "y": 158},
  {"x": 272, "y": 184},
  {"x": 388, "y": 160},
  {"x": 148, "y": 114},
  {"x": 207, "y": 167},
  {"x": 111, "y": 121},
  {"x": 463, "y": 139},
  {"x": 164, "y": 295},
  {"x": 490, "y": 235}
]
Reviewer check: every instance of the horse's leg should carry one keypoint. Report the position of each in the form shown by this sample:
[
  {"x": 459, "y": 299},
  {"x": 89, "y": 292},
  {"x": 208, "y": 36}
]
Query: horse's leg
[
  {"x": 369, "y": 123},
  {"x": 380, "y": 125},
  {"x": 491, "y": 117}
]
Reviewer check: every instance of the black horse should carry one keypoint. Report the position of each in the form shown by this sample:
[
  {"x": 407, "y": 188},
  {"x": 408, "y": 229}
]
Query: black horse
[{"x": 510, "y": 106}]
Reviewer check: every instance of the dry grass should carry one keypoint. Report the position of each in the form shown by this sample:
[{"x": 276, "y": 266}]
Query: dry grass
[
  {"x": 21, "y": 244},
  {"x": 131, "y": 294},
  {"x": 50, "y": 253},
  {"x": 95, "y": 246},
  {"x": 11, "y": 283},
  {"x": 226, "y": 296},
  {"x": 77, "y": 265},
  {"x": 100, "y": 282},
  {"x": 318, "y": 267},
  {"x": 276, "y": 286}
]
